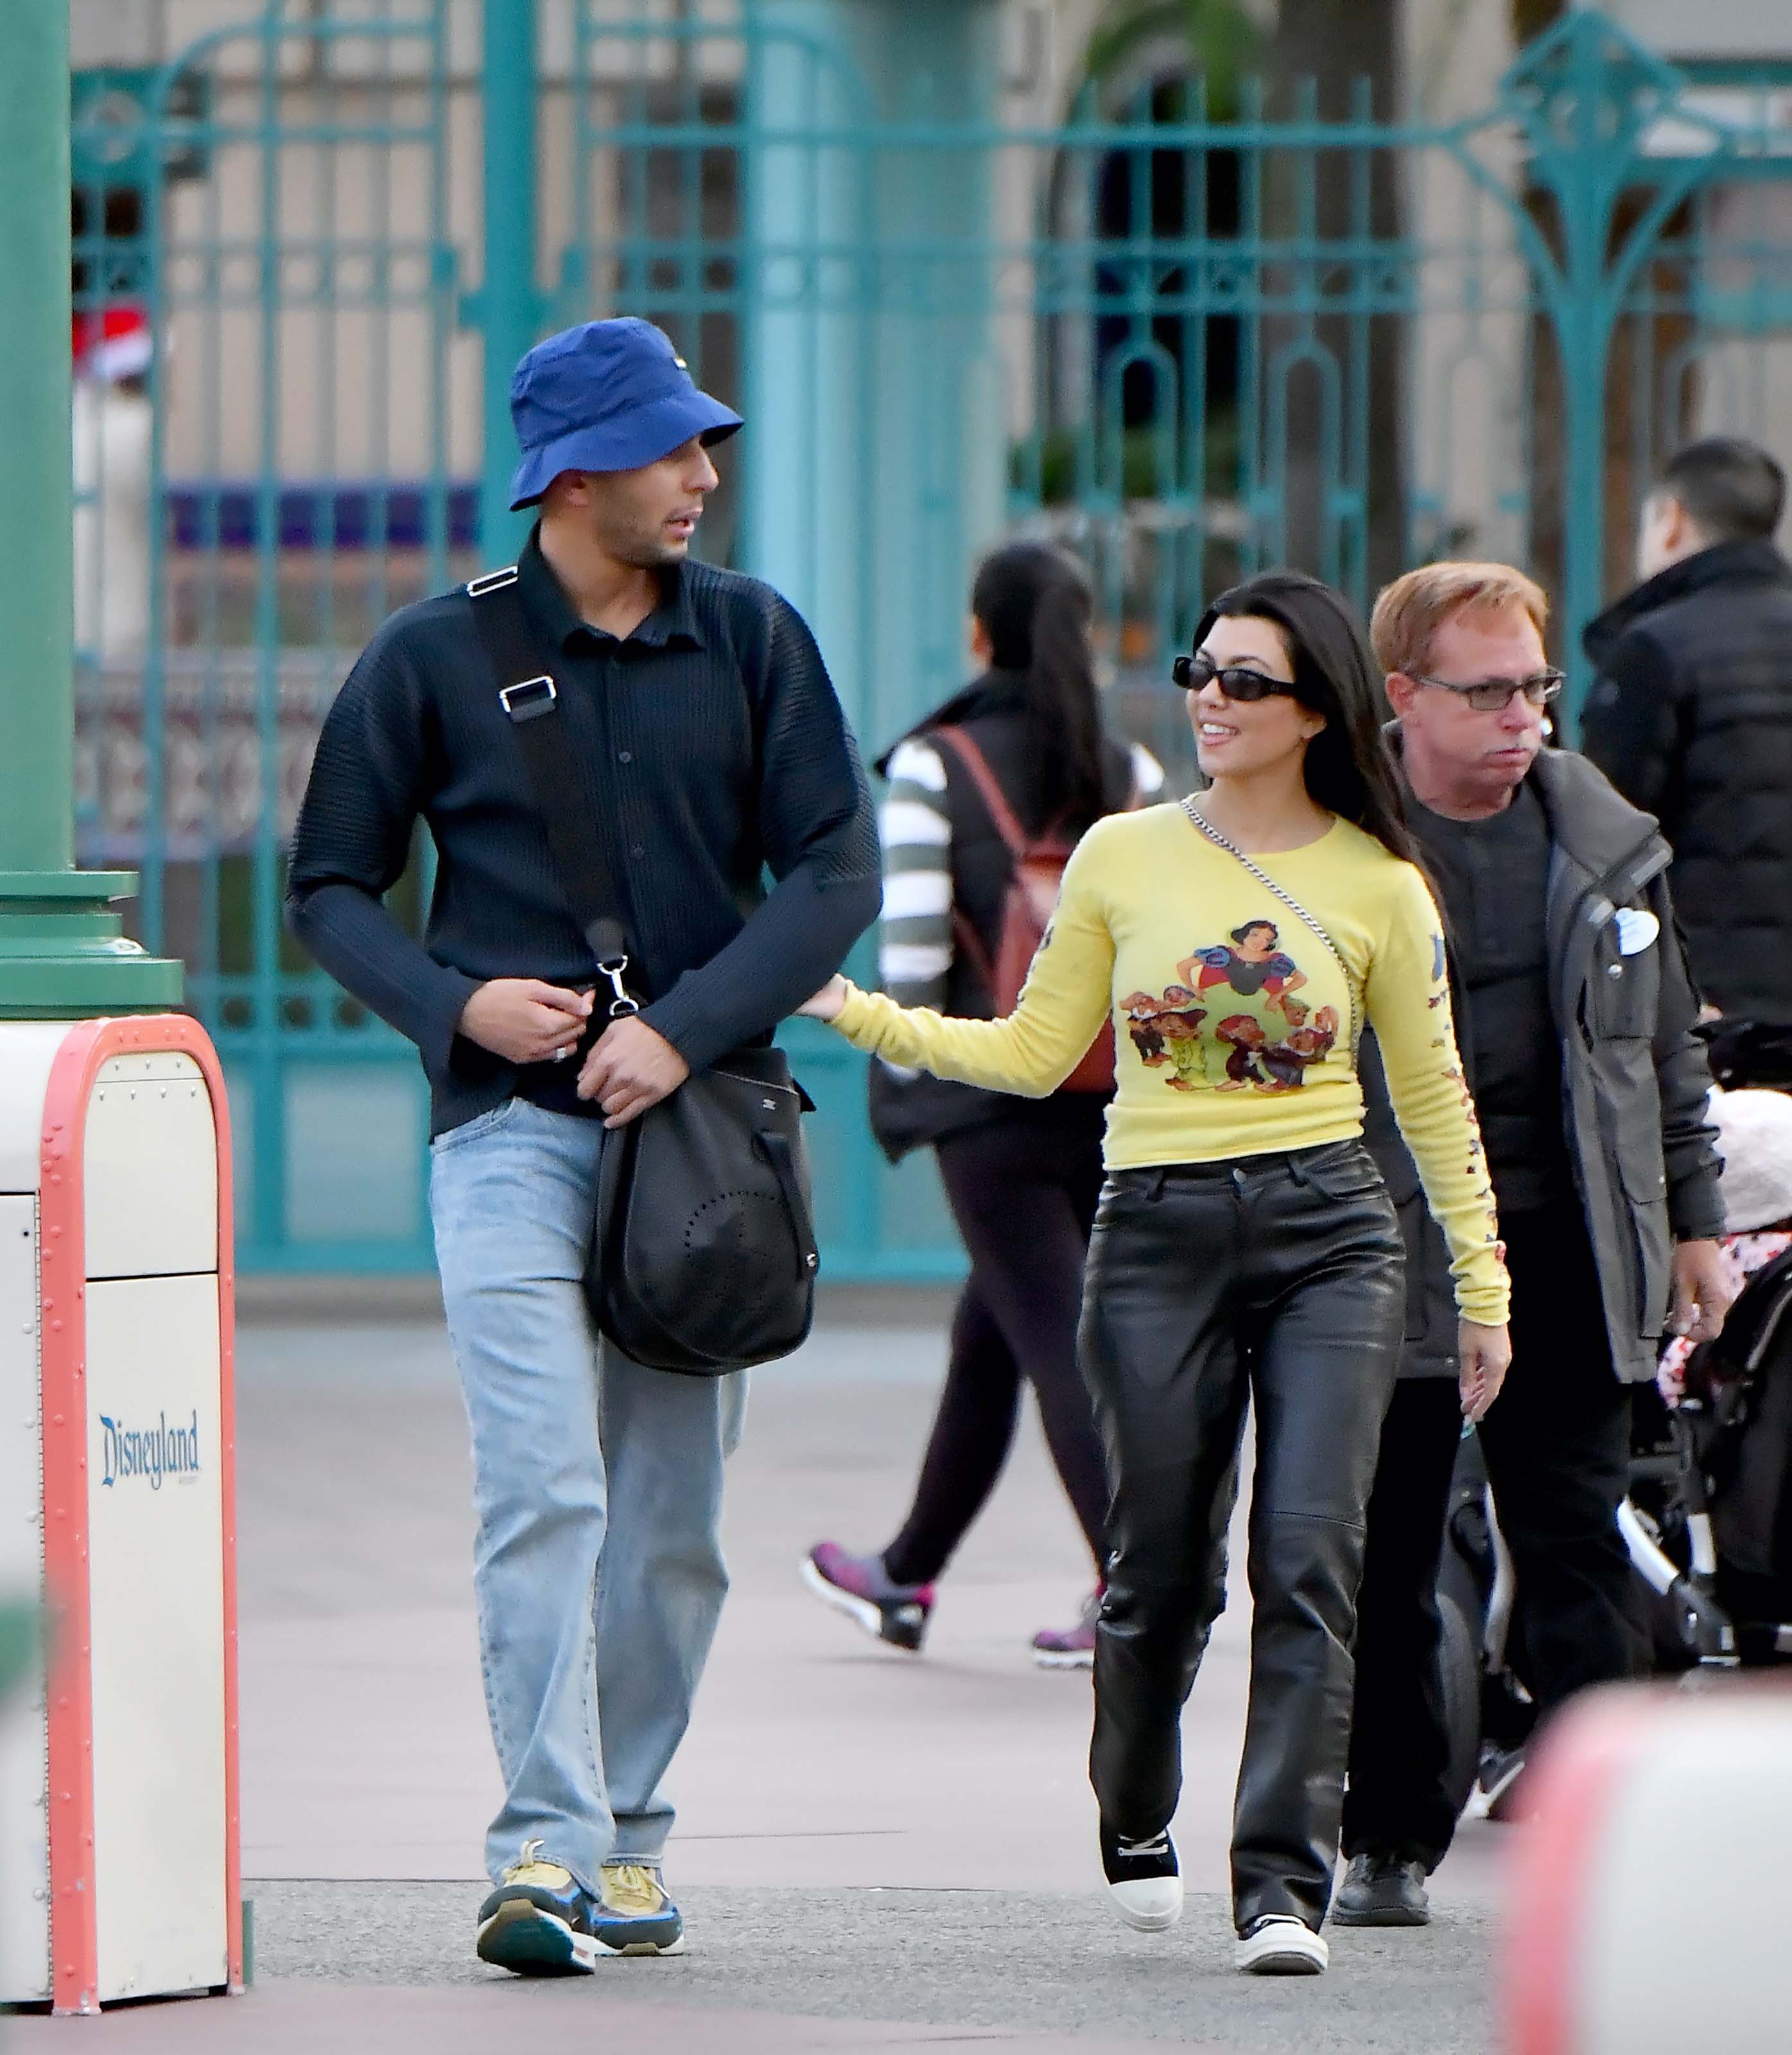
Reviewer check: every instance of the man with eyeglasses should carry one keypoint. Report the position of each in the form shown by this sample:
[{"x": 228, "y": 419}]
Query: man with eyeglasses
[{"x": 1573, "y": 1014}]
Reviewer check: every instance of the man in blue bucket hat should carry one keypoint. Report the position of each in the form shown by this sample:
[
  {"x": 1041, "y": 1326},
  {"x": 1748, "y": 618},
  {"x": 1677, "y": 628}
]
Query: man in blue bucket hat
[
  {"x": 698, "y": 723},
  {"x": 609, "y": 397}
]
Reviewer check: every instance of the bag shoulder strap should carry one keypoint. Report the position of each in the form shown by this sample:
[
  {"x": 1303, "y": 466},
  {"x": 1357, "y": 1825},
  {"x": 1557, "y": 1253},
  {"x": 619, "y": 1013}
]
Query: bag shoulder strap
[
  {"x": 530, "y": 699},
  {"x": 1294, "y": 906},
  {"x": 1015, "y": 839}
]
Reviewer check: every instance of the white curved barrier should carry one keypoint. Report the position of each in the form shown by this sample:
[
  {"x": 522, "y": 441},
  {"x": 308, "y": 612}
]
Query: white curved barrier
[{"x": 1651, "y": 1889}]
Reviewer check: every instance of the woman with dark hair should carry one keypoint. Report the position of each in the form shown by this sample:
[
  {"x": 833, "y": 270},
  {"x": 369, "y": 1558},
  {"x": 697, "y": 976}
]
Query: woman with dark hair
[
  {"x": 1022, "y": 1176},
  {"x": 1244, "y": 1246}
]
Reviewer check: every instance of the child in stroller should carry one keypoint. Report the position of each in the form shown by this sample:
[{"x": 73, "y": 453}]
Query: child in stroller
[{"x": 1708, "y": 1519}]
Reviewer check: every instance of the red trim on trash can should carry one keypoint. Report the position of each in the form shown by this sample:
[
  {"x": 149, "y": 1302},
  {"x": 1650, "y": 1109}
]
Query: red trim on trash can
[
  {"x": 1552, "y": 1879},
  {"x": 62, "y": 1257}
]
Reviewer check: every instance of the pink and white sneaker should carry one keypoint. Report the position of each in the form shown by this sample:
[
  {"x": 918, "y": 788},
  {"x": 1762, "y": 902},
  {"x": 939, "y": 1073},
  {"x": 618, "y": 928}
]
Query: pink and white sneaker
[
  {"x": 859, "y": 1586},
  {"x": 1070, "y": 1647}
]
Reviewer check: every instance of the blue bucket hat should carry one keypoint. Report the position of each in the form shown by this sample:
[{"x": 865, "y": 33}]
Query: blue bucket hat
[{"x": 606, "y": 396}]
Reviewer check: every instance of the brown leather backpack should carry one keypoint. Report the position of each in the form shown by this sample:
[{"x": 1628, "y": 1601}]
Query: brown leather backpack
[{"x": 1036, "y": 874}]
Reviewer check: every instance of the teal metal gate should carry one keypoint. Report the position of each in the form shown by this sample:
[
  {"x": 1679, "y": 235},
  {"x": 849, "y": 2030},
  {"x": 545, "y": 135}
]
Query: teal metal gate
[{"x": 1186, "y": 340}]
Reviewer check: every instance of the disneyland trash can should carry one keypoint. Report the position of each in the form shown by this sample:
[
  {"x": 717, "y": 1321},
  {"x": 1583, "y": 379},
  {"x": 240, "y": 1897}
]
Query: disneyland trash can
[{"x": 119, "y": 1871}]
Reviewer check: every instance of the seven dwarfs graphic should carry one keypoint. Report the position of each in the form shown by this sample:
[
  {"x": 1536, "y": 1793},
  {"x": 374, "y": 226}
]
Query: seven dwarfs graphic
[{"x": 1268, "y": 1045}]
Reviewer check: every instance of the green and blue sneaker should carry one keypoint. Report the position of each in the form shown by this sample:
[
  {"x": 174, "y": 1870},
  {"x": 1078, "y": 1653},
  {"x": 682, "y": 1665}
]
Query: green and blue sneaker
[{"x": 537, "y": 1922}]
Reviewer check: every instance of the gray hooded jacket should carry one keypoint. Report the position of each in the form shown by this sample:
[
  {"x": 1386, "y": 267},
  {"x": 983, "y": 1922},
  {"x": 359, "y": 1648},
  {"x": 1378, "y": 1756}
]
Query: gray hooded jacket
[{"x": 1635, "y": 1077}]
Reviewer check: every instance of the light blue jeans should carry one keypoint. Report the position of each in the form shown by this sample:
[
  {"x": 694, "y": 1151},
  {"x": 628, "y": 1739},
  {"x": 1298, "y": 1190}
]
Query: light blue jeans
[{"x": 598, "y": 1568}]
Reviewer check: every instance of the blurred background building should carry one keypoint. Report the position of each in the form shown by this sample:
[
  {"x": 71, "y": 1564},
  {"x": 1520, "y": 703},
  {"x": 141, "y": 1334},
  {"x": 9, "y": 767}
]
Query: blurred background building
[{"x": 1193, "y": 284}]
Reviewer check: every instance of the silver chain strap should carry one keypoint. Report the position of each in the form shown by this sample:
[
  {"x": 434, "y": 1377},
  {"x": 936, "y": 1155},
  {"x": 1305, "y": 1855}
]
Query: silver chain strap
[{"x": 1294, "y": 906}]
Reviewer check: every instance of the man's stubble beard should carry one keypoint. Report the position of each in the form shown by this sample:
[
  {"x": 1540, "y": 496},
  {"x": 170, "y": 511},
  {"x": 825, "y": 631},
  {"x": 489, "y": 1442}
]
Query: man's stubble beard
[
  {"x": 630, "y": 542},
  {"x": 645, "y": 550}
]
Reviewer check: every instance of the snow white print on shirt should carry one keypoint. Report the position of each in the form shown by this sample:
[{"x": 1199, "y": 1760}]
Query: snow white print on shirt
[
  {"x": 1251, "y": 963},
  {"x": 1233, "y": 1021}
]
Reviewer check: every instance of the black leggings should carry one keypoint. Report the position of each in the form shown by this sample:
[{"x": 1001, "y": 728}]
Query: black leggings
[
  {"x": 1023, "y": 1190},
  {"x": 1276, "y": 1279}
]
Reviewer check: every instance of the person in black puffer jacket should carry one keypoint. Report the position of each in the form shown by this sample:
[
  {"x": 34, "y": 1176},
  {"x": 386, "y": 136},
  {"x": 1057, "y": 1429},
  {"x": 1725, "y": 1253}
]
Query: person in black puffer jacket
[
  {"x": 1691, "y": 716},
  {"x": 1022, "y": 1176}
]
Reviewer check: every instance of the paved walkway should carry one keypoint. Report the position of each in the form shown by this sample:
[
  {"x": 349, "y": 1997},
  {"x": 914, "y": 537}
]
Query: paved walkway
[
  {"x": 872, "y": 1849},
  {"x": 781, "y": 1968},
  {"x": 304, "y": 2019}
]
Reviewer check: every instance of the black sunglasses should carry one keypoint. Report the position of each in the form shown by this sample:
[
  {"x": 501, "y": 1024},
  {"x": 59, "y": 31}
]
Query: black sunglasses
[
  {"x": 1236, "y": 681},
  {"x": 1494, "y": 694}
]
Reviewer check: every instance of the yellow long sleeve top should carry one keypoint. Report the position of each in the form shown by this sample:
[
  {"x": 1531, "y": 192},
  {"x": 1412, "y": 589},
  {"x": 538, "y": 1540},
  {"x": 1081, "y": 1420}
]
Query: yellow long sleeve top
[{"x": 1235, "y": 1022}]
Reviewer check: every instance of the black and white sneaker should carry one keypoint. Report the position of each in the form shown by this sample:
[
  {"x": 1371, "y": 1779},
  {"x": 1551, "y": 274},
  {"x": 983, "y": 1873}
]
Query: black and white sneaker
[
  {"x": 1497, "y": 1794},
  {"x": 1144, "y": 1880},
  {"x": 1279, "y": 1945}
]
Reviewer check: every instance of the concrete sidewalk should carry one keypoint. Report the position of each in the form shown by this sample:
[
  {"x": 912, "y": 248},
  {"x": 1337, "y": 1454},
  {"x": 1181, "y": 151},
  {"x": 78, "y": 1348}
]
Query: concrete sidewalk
[
  {"x": 903, "y": 1843},
  {"x": 303, "y": 2019},
  {"x": 784, "y": 1967},
  {"x": 1038, "y": 1962}
]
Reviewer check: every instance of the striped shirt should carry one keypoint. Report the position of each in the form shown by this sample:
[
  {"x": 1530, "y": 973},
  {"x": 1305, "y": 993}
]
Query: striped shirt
[{"x": 916, "y": 945}]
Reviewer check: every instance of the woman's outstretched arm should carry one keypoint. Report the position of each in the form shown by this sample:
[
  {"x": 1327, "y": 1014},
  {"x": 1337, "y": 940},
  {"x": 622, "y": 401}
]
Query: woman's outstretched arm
[{"x": 1067, "y": 997}]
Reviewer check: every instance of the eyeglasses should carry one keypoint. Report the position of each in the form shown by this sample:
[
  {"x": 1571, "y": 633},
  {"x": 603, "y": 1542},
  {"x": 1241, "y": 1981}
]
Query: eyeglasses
[
  {"x": 1494, "y": 694},
  {"x": 1235, "y": 681}
]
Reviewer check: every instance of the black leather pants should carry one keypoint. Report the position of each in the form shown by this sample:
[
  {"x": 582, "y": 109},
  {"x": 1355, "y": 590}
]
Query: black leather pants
[{"x": 1278, "y": 1278}]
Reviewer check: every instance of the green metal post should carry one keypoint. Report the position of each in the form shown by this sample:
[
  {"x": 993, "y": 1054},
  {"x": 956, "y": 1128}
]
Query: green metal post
[
  {"x": 1587, "y": 98},
  {"x": 63, "y": 953},
  {"x": 876, "y": 436},
  {"x": 1594, "y": 116},
  {"x": 37, "y": 493},
  {"x": 1585, "y": 339},
  {"x": 876, "y": 446},
  {"x": 508, "y": 309}
]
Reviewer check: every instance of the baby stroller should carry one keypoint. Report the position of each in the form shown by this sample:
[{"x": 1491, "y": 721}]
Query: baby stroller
[{"x": 1707, "y": 1520}]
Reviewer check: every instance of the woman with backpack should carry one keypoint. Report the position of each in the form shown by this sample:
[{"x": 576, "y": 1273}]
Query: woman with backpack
[
  {"x": 1245, "y": 1245},
  {"x": 987, "y": 797}
]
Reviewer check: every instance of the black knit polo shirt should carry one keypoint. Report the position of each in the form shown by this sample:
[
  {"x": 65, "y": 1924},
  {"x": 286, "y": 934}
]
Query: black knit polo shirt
[{"x": 710, "y": 746}]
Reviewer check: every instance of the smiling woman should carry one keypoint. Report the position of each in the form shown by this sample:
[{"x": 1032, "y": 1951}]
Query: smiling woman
[
  {"x": 1247, "y": 715},
  {"x": 1246, "y": 1246}
]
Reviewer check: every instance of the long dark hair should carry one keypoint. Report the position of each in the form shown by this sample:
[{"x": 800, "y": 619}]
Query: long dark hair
[
  {"x": 1035, "y": 606},
  {"x": 1349, "y": 769}
]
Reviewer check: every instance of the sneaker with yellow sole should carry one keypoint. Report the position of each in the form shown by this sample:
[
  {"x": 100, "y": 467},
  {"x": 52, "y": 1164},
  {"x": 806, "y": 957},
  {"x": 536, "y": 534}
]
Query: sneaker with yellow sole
[{"x": 635, "y": 1914}]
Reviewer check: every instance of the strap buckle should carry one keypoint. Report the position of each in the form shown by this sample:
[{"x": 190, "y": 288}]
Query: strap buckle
[
  {"x": 621, "y": 1005},
  {"x": 546, "y": 691},
  {"x": 491, "y": 581}
]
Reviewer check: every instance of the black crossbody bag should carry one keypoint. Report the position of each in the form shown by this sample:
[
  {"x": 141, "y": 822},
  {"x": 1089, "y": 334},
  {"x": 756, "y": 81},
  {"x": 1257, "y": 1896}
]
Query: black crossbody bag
[{"x": 703, "y": 1256}]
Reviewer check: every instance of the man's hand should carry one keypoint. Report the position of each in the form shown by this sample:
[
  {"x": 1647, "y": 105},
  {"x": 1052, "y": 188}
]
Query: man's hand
[
  {"x": 524, "y": 1020},
  {"x": 826, "y": 1003},
  {"x": 630, "y": 1068},
  {"x": 1485, "y": 1354},
  {"x": 1702, "y": 1291}
]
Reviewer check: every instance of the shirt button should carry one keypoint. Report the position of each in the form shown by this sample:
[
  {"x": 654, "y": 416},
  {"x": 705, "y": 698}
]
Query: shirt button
[
  {"x": 637, "y": 852},
  {"x": 625, "y": 757},
  {"x": 1614, "y": 970}
]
